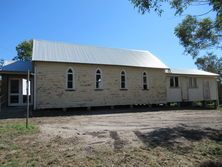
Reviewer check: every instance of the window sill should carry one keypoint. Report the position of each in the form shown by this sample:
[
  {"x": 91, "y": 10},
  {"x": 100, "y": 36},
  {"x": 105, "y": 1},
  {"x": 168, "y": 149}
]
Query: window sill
[
  {"x": 123, "y": 89},
  {"x": 98, "y": 89},
  {"x": 146, "y": 89},
  {"x": 174, "y": 87},
  {"x": 70, "y": 89}
]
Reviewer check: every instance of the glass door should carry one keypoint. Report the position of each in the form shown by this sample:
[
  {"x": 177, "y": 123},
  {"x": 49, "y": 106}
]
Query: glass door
[
  {"x": 18, "y": 92},
  {"x": 14, "y": 92}
]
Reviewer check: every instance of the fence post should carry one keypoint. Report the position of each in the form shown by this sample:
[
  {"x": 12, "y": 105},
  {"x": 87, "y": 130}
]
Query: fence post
[
  {"x": 27, "y": 92},
  {"x": 0, "y": 94}
]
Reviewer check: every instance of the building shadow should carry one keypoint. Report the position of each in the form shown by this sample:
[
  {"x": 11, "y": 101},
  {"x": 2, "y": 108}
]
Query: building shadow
[
  {"x": 20, "y": 112},
  {"x": 168, "y": 137},
  {"x": 211, "y": 163},
  {"x": 13, "y": 112}
]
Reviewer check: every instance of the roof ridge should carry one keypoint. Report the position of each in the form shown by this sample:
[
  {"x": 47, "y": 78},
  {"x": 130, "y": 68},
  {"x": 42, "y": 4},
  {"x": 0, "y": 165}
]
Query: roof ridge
[{"x": 89, "y": 45}]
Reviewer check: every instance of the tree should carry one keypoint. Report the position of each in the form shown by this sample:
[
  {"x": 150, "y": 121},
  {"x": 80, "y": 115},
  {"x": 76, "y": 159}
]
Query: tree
[
  {"x": 199, "y": 34},
  {"x": 24, "y": 51},
  {"x": 211, "y": 63},
  {"x": 195, "y": 32}
]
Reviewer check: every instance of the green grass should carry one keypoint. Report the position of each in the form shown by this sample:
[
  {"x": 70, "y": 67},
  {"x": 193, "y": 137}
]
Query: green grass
[
  {"x": 10, "y": 131},
  {"x": 12, "y": 136},
  {"x": 210, "y": 148},
  {"x": 12, "y": 163},
  {"x": 17, "y": 129}
]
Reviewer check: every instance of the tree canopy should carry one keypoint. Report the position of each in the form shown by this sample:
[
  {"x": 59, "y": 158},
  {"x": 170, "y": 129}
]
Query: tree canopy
[
  {"x": 211, "y": 63},
  {"x": 24, "y": 50},
  {"x": 197, "y": 33}
]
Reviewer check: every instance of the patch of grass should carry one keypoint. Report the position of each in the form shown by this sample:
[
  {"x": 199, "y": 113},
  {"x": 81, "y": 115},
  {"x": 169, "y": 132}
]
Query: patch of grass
[
  {"x": 12, "y": 163},
  {"x": 13, "y": 140},
  {"x": 14, "y": 129},
  {"x": 220, "y": 108},
  {"x": 10, "y": 131},
  {"x": 209, "y": 148}
]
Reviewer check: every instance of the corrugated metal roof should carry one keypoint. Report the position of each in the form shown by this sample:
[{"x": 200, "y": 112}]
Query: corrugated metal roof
[
  {"x": 61, "y": 52},
  {"x": 16, "y": 66},
  {"x": 190, "y": 72}
]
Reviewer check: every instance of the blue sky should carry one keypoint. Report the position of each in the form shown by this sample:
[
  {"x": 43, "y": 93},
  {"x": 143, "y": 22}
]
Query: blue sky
[{"x": 111, "y": 23}]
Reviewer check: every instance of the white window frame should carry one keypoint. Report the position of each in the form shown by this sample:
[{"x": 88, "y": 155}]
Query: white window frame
[
  {"x": 121, "y": 80},
  {"x": 147, "y": 81},
  {"x": 73, "y": 78},
  {"x": 174, "y": 82},
  {"x": 19, "y": 94},
  {"x": 101, "y": 75}
]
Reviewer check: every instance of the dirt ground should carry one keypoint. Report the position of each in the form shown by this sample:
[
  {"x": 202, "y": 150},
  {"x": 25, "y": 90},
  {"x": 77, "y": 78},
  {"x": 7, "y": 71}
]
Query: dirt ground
[
  {"x": 109, "y": 128},
  {"x": 86, "y": 135}
]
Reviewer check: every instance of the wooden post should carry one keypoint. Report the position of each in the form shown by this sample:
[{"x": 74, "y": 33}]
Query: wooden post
[
  {"x": 27, "y": 92},
  {"x": 0, "y": 93}
]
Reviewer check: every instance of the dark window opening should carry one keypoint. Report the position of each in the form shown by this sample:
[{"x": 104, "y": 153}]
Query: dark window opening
[
  {"x": 98, "y": 79},
  {"x": 145, "y": 87},
  {"x": 174, "y": 82},
  {"x": 123, "y": 80},
  {"x": 14, "y": 86},
  {"x": 69, "y": 85},
  {"x": 70, "y": 79},
  {"x": 145, "y": 81},
  {"x": 171, "y": 82},
  {"x": 14, "y": 99},
  {"x": 123, "y": 85}
]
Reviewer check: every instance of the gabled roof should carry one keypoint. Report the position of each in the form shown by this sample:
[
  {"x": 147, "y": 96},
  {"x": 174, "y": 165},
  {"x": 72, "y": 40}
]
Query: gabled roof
[
  {"x": 62, "y": 52},
  {"x": 16, "y": 67},
  {"x": 190, "y": 72}
]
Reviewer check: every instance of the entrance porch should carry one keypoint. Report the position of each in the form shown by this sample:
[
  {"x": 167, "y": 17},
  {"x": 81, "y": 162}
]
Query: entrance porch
[{"x": 14, "y": 86}]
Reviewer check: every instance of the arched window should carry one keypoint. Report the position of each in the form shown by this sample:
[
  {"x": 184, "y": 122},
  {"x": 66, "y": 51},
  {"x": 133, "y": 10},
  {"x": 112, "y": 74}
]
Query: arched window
[
  {"x": 70, "y": 79},
  {"x": 145, "y": 82},
  {"x": 123, "y": 80},
  {"x": 98, "y": 79}
]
